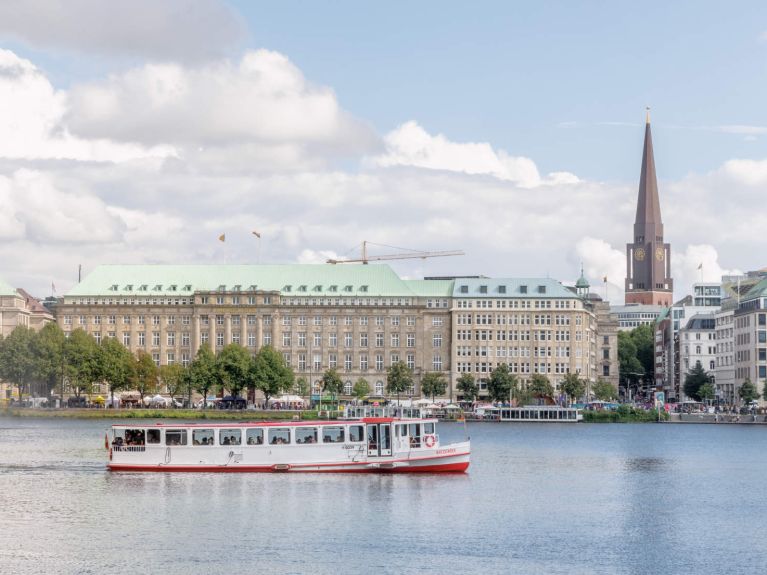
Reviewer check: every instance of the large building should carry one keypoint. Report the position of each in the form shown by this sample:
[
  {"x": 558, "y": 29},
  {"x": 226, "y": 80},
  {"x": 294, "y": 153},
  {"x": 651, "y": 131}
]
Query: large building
[
  {"x": 18, "y": 308},
  {"x": 358, "y": 319},
  {"x": 648, "y": 258},
  {"x": 697, "y": 346},
  {"x": 750, "y": 337}
]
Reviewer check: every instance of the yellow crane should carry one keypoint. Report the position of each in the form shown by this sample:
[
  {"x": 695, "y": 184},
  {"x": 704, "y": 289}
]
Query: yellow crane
[{"x": 410, "y": 254}]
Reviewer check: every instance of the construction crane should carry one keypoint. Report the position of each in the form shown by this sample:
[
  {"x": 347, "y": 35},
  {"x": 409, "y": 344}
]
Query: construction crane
[{"x": 411, "y": 254}]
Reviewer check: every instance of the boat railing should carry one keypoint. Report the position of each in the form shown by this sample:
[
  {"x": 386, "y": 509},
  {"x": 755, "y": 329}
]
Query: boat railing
[{"x": 133, "y": 448}]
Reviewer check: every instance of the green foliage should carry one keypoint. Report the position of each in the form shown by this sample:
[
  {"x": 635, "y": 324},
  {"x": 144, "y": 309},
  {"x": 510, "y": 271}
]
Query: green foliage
[
  {"x": 399, "y": 378},
  {"x": 694, "y": 380},
  {"x": 361, "y": 388},
  {"x": 115, "y": 365},
  {"x": 144, "y": 374},
  {"x": 573, "y": 386},
  {"x": 173, "y": 377},
  {"x": 203, "y": 373},
  {"x": 540, "y": 386},
  {"x": 501, "y": 383},
  {"x": 706, "y": 391},
  {"x": 433, "y": 384},
  {"x": 234, "y": 367},
  {"x": 467, "y": 386},
  {"x": 302, "y": 387},
  {"x": 626, "y": 415},
  {"x": 602, "y": 390},
  {"x": 270, "y": 374},
  {"x": 81, "y": 363},
  {"x": 332, "y": 383},
  {"x": 747, "y": 392},
  {"x": 16, "y": 358},
  {"x": 48, "y": 356},
  {"x": 636, "y": 353}
]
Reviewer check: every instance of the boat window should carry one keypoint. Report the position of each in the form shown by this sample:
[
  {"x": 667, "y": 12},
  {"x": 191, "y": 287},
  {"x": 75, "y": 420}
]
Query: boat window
[
  {"x": 403, "y": 430},
  {"x": 202, "y": 437},
  {"x": 332, "y": 434},
  {"x": 306, "y": 435},
  {"x": 153, "y": 436},
  {"x": 255, "y": 436},
  {"x": 279, "y": 436},
  {"x": 175, "y": 437},
  {"x": 134, "y": 437},
  {"x": 415, "y": 435},
  {"x": 229, "y": 436},
  {"x": 428, "y": 428},
  {"x": 355, "y": 433}
]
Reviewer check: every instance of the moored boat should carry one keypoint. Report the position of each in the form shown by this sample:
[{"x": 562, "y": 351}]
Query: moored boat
[{"x": 383, "y": 444}]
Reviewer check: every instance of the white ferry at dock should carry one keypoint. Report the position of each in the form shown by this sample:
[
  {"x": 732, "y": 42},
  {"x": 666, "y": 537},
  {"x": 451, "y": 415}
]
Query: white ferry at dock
[{"x": 383, "y": 444}]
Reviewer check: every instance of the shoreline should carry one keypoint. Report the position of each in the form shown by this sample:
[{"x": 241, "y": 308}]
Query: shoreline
[{"x": 74, "y": 413}]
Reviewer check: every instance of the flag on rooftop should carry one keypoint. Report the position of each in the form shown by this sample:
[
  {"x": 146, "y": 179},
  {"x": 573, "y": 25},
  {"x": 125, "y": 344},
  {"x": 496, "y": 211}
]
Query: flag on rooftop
[
  {"x": 258, "y": 235},
  {"x": 700, "y": 266},
  {"x": 222, "y": 238}
]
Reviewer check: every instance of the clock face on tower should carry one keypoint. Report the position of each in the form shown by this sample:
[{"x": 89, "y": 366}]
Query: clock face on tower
[
  {"x": 659, "y": 254},
  {"x": 639, "y": 254}
]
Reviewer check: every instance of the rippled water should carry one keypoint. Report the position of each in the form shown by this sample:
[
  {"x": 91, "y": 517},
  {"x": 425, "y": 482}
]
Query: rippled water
[{"x": 537, "y": 499}]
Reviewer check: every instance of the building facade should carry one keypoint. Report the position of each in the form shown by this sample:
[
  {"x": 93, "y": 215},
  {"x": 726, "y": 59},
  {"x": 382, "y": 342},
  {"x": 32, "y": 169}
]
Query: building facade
[
  {"x": 750, "y": 337},
  {"x": 697, "y": 346},
  {"x": 648, "y": 258},
  {"x": 633, "y": 315},
  {"x": 18, "y": 308}
]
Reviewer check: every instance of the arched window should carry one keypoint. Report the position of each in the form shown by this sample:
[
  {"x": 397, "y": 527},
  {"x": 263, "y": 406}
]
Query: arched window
[
  {"x": 317, "y": 387},
  {"x": 348, "y": 388},
  {"x": 379, "y": 387}
]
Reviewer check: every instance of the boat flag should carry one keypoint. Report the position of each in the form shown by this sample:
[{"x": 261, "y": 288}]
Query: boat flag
[
  {"x": 222, "y": 238},
  {"x": 700, "y": 266},
  {"x": 53, "y": 287},
  {"x": 604, "y": 279},
  {"x": 255, "y": 233}
]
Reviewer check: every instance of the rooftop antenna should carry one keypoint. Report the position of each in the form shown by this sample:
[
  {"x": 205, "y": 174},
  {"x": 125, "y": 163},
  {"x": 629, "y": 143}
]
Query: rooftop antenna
[{"x": 79, "y": 272}]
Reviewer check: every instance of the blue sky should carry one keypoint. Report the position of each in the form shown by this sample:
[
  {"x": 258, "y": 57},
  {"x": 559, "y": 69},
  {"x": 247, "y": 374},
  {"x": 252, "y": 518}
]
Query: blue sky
[{"x": 512, "y": 131}]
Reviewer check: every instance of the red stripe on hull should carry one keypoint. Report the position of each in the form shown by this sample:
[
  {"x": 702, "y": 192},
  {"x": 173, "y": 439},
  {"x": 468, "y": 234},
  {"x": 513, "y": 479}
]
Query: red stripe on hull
[{"x": 459, "y": 467}]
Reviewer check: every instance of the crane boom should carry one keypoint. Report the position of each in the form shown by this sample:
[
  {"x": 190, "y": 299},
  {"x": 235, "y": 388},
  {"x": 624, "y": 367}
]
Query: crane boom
[{"x": 405, "y": 256}]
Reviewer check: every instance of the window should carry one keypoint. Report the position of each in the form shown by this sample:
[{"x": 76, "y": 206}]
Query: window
[
  {"x": 306, "y": 435},
  {"x": 356, "y": 434},
  {"x": 126, "y": 338},
  {"x": 395, "y": 320},
  {"x": 395, "y": 340},
  {"x": 202, "y": 437},
  {"x": 171, "y": 338},
  {"x": 333, "y": 339},
  {"x": 411, "y": 340},
  {"x": 229, "y": 436},
  {"x": 347, "y": 339},
  {"x": 437, "y": 340},
  {"x": 348, "y": 362},
  {"x": 155, "y": 338},
  {"x": 333, "y": 434},
  {"x": 363, "y": 340},
  {"x": 348, "y": 387},
  {"x": 437, "y": 321},
  {"x": 437, "y": 363},
  {"x": 279, "y": 436},
  {"x": 379, "y": 339},
  {"x": 153, "y": 436},
  {"x": 379, "y": 362},
  {"x": 254, "y": 436},
  {"x": 175, "y": 437},
  {"x": 379, "y": 388}
]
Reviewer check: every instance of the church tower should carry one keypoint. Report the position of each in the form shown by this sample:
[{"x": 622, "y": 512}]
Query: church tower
[{"x": 648, "y": 259}]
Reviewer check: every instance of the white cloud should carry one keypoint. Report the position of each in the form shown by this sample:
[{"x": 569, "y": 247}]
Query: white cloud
[
  {"x": 600, "y": 259},
  {"x": 31, "y": 113},
  {"x": 411, "y": 145},
  {"x": 262, "y": 100},
  {"x": 684, "y": 266},
  {"x": 170, "y": 30}
]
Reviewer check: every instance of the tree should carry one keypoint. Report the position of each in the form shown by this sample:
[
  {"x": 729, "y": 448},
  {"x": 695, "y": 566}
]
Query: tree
[
  {"x": 332, "y": 383},
  {"x": 16, "y": 358},
  {"x": 115, "y": 365},
  {"x": 270, "y": 374},
  {"x": 602, "y": 390},
  {"x": 636, "y": 353},
  {"x": 48, "y": 356},
  {"x": 302, "y": 387},
  {"x": 467, "y": 386},
  {"x": 144, "y": 374},
  {"x": 747, "y": 392},
  {"x": 572, "y": 386},
  {"x": 706, "y": 391},
  {"x": 202, "y": 374},
  {"x": 361, "y": 389},
  {"x": 399, "y": 378},
  {"x": 540, "y": 386},
  {"x": 694, "y": 380},
  {"x": 81, "y": 353},
  {"x": 433, "y": 384},
  {"x": 173, "y": 377},
  {"x": 234, "y": 368},
  {"x": 501, "y": 383}
]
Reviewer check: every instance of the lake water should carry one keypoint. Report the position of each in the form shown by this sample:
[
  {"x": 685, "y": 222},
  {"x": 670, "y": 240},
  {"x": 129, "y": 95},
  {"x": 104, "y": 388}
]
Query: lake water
[{"x": 538, "y": 498}]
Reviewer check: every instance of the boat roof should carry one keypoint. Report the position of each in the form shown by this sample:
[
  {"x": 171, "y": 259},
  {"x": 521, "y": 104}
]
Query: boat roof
[{"x": 302, "y": 423}]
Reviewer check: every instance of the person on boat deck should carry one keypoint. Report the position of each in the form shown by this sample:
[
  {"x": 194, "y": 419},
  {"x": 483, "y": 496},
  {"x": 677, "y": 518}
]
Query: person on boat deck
[{"x": 226, "y": 441}]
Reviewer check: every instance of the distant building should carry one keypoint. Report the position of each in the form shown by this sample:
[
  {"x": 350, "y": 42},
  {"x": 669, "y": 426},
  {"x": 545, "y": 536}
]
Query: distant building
[
  {"x": 633, "y": 315},
  {"x": 17, "y": 308},
  {"x": 697, "y": 346},
  {"x": 750, "y": 337},
  {"x": 648, "y": 258}
]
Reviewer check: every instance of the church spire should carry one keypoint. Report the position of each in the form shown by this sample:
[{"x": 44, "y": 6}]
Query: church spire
[{"x": 648, "y": 204}]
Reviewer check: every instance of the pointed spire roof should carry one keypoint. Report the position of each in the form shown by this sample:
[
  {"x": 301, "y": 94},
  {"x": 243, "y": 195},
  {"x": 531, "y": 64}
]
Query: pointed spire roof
[{"x": 648, "y": 204}]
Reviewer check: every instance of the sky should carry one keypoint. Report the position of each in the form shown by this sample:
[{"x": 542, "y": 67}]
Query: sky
[{"x": 139, "y": 132}]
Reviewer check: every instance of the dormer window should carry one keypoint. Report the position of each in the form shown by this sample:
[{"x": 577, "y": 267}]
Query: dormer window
[
  {"x": 143, "y": 287},
  {"x": 541, "y": 289},
  {"x": 172, "y": 287},
  {"x": 363, "y": 288},
  {"x": 129, "y": 287},
  {"x": 237, "y": 287},
  {"x": 482, "y": 289},
  {"x": 501, "y": 289},
  {"x": 348, "y": 288},
  {"x": 252, "y": 287},
  {"x": 522, "y": 289},
  {"x": 158, "y": 287},
  {"x": 287, "y": 288},
  {"x": 302, "y": 288},
  {"x": 113, "y": 287},
  {"x": 333, "y": 288},
  {"x": 318, "y": 288},
  {"x": 222, "y": 287},
  {"x": 188, "y": 287},
  {"x": 464, "y": 289}
]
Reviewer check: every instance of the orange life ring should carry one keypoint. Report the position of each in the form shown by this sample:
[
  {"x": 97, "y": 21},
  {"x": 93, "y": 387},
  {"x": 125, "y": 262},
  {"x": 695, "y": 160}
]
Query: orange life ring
[{"x": 429, "y": 441}]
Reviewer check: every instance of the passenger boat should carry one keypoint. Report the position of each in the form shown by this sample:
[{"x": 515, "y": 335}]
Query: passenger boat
[
  {"x": 530, "y": 413},
  {"x": 375, "y": 443}
]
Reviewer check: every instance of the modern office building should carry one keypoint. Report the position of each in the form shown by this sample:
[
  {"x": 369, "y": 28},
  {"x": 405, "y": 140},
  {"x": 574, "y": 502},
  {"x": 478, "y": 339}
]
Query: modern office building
[{"x": 633, "y": 315}]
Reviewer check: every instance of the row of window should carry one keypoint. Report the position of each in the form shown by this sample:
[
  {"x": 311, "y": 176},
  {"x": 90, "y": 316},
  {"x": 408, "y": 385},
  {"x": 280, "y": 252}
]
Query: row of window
[
  {"x": 301, "y": 339},
  {"x": 516, "y": 335},
  {"x": 363, "y": 361},
  {"x": 516, "y": 367},
  {"x": 515, "y": 304}
]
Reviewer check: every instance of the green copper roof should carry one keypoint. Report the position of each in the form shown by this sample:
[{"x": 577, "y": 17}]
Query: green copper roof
[
  {"x": 6, "y": 289},
  {"x": 290, "y": 280},
  {"x": 536, "y": 288},
  {"x": 431, "y": 288},
  {"x": 759, "y": 290}
]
